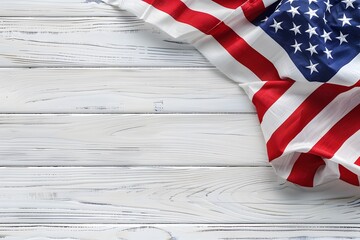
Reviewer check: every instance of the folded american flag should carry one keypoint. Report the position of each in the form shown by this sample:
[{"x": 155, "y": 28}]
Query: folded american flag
[{"x": 299, "y": 63}]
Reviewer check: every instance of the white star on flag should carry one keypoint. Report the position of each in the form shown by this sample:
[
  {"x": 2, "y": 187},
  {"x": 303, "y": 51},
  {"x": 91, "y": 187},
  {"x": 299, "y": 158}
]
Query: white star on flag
[
  {"x": 293, "y": 11},
  {"x": 342, "y": 37},
  {"x": 296, "y": 45},
  {"x": 328, "y": 53},
  {"x": 312, "y": 13},
  {"x": 326, "y": 36},
  {"x": 311, "y": 30},
  {"x": 276, "y": 25},
  {"x": 345, "y": 20},
  {"x": 349, "y": 3},
  {"x": 312, "y": 49},
  {"x": 296, "y": 29},
  {"x": 328, "y": 6},
  {"x": 312, "y": 67}
]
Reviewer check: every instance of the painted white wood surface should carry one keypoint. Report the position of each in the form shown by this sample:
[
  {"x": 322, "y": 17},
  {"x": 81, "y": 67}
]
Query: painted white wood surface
[
  {"x": 110, "y": 175},
  {"x": 179, "y": 231},
  {"x": 168, "y": 195},
  {"x": 120, "y": 90},
  {"x": 90, "y": 41},
  {"x": 57, "y": 8},
  {"x": 139, "y": 139}
]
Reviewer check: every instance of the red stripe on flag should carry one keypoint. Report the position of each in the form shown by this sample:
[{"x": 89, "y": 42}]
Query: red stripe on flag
[
  {"x": 252, "y": 9},
  {"x": 233, "y": 4},
  {"x": 357, "y": 162},
  {"x": 293, "y": 125},
  {"x": 181, "y": 13},
  {"x": 268, "y": 94},
  {"x": 245, "y": 54},
  {"x": 338, "y": 134},
  {"x": 304, "y": 169},
  {"x": 348, "y": 176},
  {"x": 237, "y": 47}
]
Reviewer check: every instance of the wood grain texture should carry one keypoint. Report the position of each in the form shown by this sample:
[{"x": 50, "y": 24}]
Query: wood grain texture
[
  {"x": 90, "y": 41},
  {"x": 180, "y": 231},
  {"x": 168, "y": 195},
  {"x": 103, "y": 176},
  {"x": 57, "y": 8},
  {"x": 121, "y": 90},
  {"x": 139, "y": 139}
]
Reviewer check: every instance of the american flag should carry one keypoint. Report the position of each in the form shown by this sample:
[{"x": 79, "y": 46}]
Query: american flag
[{"x": 299, "y": 63}]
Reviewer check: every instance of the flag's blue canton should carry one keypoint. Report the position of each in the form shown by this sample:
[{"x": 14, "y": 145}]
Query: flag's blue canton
[{"x": 320, "y": 36}]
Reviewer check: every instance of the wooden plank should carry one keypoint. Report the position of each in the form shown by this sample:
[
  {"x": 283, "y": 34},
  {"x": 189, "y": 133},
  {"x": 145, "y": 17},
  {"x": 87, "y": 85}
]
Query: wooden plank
[
  {"x": 168, "y": 195},
  {"x": 140, "y": 139},
  {"x": 121, "y": 90},
  {"x": 90, "y": 41},
  {"x": 56, "y": 8},
  {"x": 180, "y": 231}
]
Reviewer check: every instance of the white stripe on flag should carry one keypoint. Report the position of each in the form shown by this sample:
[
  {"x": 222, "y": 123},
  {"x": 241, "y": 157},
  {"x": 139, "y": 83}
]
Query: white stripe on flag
[
  {"x": 209, "y": 7},
  {"x": 349, "y": 74},
  {"x": 251, "y": 88},
  {"x": 268, "y": 2},
  {"x": 327, "y": 173},
  {"x": 284, "y": 164},
  {"x": 221, "y": 58},
  {"x": 348, "y": 153},
  {"x": 137, "y": 7},
  {"x": 285, "y": 106},
  {"x": 323, "y": 122}
]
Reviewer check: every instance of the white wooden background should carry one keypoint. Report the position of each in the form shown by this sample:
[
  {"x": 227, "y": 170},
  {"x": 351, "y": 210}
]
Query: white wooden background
[{"x": 109, "y": 129}]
